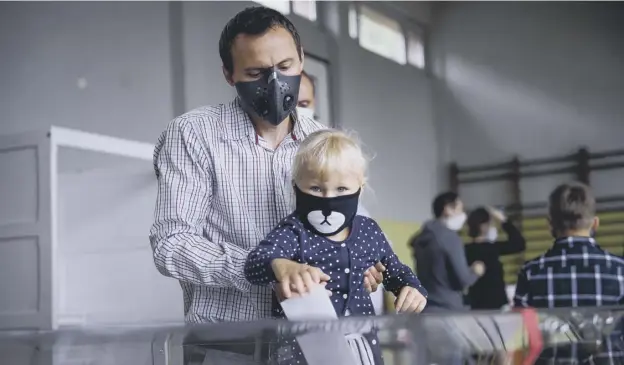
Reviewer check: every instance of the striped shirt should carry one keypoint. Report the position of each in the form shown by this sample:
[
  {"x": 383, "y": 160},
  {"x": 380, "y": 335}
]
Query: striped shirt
[{"x": 221, "y": 190}]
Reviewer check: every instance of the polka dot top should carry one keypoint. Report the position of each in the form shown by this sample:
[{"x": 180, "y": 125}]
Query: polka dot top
[{"x": 345, "y": 262}]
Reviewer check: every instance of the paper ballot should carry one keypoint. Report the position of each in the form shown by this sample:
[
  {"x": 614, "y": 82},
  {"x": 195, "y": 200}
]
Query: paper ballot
[
  {"x": 315, "y": 305},
  {"x": 319, "y": 348}
]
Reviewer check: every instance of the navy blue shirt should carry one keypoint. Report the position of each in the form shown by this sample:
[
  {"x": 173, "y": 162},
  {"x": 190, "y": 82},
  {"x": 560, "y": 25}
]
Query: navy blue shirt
[
  {"x": 345, "y": 262},
  {"x": 575, "y": 272}
]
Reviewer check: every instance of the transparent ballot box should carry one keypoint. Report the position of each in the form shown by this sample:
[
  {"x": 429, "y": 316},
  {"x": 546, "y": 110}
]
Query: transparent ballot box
[{"x": 519, "y": 338}]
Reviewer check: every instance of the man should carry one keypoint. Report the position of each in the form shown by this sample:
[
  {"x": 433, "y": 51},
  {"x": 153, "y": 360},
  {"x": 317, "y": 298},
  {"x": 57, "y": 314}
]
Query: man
[
  {"x": 307, "y": 96},
  {"x": 224, "y": 176},
  {"x": 440, "y": 258},
  {"x": 575, "y": 271}
]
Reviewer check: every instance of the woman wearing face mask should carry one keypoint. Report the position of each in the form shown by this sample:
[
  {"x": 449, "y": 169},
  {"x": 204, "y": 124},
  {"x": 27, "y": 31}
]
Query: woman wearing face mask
[{"x": 489, "y": 291}]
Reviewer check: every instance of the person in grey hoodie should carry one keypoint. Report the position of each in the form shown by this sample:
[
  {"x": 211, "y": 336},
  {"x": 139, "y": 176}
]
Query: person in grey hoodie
[{"x": 440, "y": 257}]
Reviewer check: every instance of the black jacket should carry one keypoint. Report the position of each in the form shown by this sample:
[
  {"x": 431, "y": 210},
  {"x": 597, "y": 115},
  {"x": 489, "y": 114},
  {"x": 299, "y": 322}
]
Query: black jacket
[{"x": 489, "y": 291}]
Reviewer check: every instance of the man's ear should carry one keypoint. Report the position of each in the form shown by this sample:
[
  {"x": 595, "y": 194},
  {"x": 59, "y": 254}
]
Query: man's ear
[
  {"x": 595, "y": 224},
  {"x": 302, "y": 58},
  {"x": 228, "y": 76}
]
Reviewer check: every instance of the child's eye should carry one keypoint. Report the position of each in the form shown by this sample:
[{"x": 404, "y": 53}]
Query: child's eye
[
  {"x": 315, "y": 189},
  {"x": 342, "y": 189}
]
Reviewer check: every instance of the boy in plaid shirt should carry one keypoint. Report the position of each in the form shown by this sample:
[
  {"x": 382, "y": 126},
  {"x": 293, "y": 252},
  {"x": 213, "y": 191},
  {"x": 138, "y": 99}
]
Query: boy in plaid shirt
[{"x": 574, "y": 272}]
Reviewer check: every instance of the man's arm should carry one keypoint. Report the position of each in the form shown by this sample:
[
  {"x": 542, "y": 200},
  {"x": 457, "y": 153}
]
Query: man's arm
[
  {"x": 281, "y": 243},
  {"x": 456, "y": 257},
  {"x": 515, "y": 240},
  {"x": 521, "y": 298},
  {"x": 180, "y": 249}
]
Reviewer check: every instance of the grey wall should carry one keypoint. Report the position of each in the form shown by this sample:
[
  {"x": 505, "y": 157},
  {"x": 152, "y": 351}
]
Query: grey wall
[
  {"x": 391, "y": 113},
  {"x": 530, "y": 79},
  {"x": 145, "y": 62},
  {"x": 121, "y": 49}
]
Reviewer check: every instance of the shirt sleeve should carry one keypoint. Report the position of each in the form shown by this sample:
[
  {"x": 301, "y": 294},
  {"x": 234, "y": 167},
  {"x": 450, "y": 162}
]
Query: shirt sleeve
[
  {"x": 515, "y": 243},
  {"x": 180, "y": 249},
  {"x": 397, "y": 275},
  {"x": 521, "y": 297},
  {"x": 281, "y": 243},
  {"x": 456, "y": 258}
]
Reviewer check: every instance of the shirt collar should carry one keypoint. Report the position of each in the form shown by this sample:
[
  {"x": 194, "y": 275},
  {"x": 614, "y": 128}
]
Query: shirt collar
[
  {"x": 574, "y": 240},
  {"x": 304, "y": 125},
  {"x": 238, "y": 125}
]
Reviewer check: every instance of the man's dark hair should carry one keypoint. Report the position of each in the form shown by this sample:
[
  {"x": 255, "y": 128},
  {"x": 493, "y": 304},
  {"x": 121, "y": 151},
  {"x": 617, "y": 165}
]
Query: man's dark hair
[
  {"x": 312, "y": 81},
  {"x": 571, "y": 206},
  {"x": 254, "y": 21},
  {"x": 475, "y": 219},
  {"x": 441, "y": 201}
]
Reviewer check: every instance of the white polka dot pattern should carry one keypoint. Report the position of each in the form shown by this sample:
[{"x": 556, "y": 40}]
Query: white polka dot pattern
[{"x": 345, "y": 263}]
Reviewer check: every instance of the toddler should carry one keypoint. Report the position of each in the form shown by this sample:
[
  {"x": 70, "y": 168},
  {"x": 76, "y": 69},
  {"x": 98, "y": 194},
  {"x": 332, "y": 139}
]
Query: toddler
[{"x": 325, "y": 242}]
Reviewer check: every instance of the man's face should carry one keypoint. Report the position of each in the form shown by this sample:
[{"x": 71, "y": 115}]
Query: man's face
[
  {"x": 454, "y": 209},
  {"x": 306, "y": 94},
  {"x": 253, "y": 55}
]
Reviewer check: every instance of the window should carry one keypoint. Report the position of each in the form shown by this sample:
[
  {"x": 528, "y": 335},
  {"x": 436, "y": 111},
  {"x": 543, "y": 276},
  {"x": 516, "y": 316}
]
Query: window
[
  {"x": 283, "y": 6},
  {"x": 383, "y": 35},
  {"x": 353, "y": 22},
  {"x": 303, "y": 8},
  {"x": 415, "y": 50}
]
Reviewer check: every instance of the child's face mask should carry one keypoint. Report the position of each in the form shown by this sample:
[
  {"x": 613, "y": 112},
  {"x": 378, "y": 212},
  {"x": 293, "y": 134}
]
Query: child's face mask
[{"x": 326, "y": 216}]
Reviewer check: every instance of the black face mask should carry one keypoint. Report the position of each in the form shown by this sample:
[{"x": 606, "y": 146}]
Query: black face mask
[
  {"x": 326, "y": 216},
  {"x": 272, "y": 98}
]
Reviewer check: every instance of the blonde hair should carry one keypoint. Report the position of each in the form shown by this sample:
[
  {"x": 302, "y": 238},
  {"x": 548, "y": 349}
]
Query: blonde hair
[{"x": 327, "y": 151}]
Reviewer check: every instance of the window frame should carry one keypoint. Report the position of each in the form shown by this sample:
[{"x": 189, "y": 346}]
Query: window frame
[
  {"x": 316, "y": 11},
  {"x": 291, "y": 9},
  {"x": 406, "y": 24}
]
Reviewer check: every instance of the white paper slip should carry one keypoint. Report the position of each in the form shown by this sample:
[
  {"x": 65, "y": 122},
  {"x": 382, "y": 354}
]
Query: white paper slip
[
  {"x": 315, "y": 305},
  {"x": 318, "y": 348}
]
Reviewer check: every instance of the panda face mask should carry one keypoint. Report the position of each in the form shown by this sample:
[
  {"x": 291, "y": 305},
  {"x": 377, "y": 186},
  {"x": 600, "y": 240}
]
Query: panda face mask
[{"x": 326, "y": 216}]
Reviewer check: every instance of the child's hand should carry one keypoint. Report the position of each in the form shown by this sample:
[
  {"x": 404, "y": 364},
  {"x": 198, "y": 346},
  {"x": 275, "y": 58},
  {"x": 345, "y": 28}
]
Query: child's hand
[
  {"x": 410, "y": 300},
  {"x": 293, "y": 277},
  {"x": 281, "y": 297},
  {"x": 373, "y": 277}
]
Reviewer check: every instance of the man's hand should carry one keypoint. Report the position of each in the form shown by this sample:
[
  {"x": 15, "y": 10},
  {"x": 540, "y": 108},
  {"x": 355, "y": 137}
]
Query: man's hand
[
  {"x": 293, "y": 277},
  {"x": 373, "y": 277},
  {"x": 478, "y": 267},
  {"x": 410, "y": 300}
]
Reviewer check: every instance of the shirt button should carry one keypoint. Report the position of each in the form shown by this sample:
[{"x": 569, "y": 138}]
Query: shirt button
[
  {"x": 343, "y": 245},
  {"x": 346, "y": 271},
  {"x": 374, "y": 342},
  {"x": 345, "y": 296}
]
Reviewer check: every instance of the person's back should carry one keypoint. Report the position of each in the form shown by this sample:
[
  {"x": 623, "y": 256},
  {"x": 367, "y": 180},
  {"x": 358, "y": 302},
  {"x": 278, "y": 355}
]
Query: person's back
[
  {"x": 439, "y": 256},
  {"x": 431, "y": 267},
  {"x": 574, "y": 272}
]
